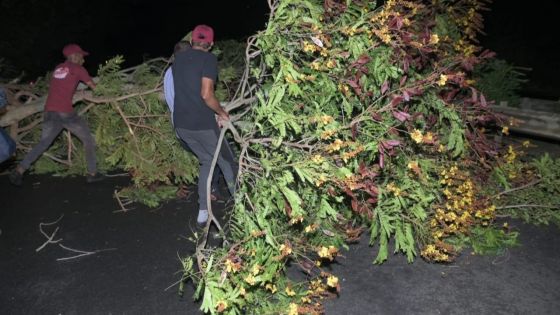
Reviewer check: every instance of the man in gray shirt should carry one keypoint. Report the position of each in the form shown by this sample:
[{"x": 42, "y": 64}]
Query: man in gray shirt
[{"x": 195, "y": 72}]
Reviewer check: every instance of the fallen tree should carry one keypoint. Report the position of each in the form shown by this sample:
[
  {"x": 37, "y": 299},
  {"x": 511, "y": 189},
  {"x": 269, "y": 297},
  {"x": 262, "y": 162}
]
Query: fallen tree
[{"x": 349, "y": 117}]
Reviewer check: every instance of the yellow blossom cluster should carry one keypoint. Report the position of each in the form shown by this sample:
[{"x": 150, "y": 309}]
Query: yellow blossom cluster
[
  {"x": 417, "y": 136},
  {"x": 285, "y": 249},
  {"x": 336, "y": 145},
  {"x": 310, "y": 47},
  {"x": 311, "y": 228},
  {"x": 434, "y": 253},
  {"x": 271, "y": 287},
  {"x": 350, "y": 154},
  {"x": 459, "y": 212},
  {"x": 392, "y": 187},
  {"x": 442, "y": 80},
  {"x": 232, "y": 266},
  {"x": 322, "y": 179},
  {"x": 511, "y": 155},
  {"x": 434, "y": 39},
  {"x": 317, "y": 158},
  {"x": 350, "y": 31},
  {"x": 328, "y": 253},
  {"x": 293, "y": 309},
  {"x": 327, "y": 134},
  {"x": 297, "y": 219}
]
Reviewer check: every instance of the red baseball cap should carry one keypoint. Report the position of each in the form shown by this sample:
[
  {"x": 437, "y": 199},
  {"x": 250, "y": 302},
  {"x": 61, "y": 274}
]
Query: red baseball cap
[
  {"x": 203, "y": 34},
  {"x": 71, "y": 49}
]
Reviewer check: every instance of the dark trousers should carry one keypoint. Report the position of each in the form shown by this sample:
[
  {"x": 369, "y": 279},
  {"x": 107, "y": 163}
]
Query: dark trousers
[
  {"x": 215, "y": 177},
  {"x": 203, "y": 144},
  {"x": 53, "y": 123}
]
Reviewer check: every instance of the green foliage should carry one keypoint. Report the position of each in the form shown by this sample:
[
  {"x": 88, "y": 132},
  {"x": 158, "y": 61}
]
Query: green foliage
[
  {"x": 538, "y": 202},
  {"x": 499, "y": 81},
  {"x": 487, "y": 240}
]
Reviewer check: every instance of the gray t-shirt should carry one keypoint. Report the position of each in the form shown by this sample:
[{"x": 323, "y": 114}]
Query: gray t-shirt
[{"x": 189, "y": 67}]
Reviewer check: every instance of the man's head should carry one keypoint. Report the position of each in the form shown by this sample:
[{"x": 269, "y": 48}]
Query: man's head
[
  {"x": 203, "y": 37},
  {"x": 74, "y": 53}
]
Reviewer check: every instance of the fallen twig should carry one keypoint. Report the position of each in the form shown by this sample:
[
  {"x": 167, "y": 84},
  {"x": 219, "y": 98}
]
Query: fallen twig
[
  {"x": 49, "y": 237},
  {"x": 81, "y": 252}
]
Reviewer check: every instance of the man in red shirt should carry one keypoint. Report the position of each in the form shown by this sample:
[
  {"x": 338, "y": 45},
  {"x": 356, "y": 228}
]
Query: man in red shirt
[{"x": 60, "y": 114}]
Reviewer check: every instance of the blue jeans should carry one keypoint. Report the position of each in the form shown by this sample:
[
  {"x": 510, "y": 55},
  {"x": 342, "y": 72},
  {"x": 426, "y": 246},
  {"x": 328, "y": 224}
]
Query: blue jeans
[
  {"x": 53, "y": 123},
  {"x": 203, "y": 144}
]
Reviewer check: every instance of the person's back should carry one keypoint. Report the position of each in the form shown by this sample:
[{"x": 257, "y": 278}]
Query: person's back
[
  {"x": 190, "y": 110},
  {"x": 63, "y": 84}
]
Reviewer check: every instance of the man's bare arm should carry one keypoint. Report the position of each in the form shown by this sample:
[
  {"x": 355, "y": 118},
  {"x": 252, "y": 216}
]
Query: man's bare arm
[
  {"x": 91, "y": 85},
  {"x": 207, "y": 93}
]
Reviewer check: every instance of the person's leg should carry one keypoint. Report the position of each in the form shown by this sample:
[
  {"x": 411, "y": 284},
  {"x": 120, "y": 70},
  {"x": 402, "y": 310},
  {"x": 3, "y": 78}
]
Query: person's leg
[
  {"x": 52, "y": 126},
  {"x": 215, "y": 177},
  {"x": 76, "y": 125},
  {"x": 194, "y": 140},
  {"x": 209, "y": 139}
]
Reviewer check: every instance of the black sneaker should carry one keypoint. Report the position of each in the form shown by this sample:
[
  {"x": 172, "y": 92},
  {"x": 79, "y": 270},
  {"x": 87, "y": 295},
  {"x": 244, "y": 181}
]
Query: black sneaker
[
  {"x": 16, "y": 178},
  {"x": 97, "y": 177}
]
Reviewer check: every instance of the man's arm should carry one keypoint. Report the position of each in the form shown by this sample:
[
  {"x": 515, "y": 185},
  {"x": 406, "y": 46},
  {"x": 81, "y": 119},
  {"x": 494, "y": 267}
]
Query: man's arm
[
  {"x": 207, "y": 93},
  {"x": 91, "y": 85}
]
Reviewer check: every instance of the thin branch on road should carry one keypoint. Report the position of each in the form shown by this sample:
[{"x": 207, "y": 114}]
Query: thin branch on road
[
  {"x": 50, "y": 238},
  {"x": 81, "y": 252}
]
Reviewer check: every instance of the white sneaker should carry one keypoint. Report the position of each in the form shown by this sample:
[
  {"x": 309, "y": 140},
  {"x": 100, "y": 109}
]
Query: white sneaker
[{"x": 202, "y": 217}]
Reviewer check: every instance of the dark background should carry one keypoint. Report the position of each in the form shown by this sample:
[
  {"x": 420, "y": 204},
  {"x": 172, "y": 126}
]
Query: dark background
[{"x": 33, "y": 32}]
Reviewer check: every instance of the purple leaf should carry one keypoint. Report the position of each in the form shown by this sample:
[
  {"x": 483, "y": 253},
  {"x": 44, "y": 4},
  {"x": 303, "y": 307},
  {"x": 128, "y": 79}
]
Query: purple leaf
[
  {"x": 401, "y": 116},
  {"x": 384, "y": 87}
]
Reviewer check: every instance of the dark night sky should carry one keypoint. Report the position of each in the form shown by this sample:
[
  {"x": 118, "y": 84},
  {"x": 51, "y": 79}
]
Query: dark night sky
[{"x": 32, "y": 32}]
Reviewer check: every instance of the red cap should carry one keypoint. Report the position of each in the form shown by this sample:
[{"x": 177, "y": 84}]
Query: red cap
[
  {"x": 203, "y": 34},
  {"x": 71, "y": 49}
]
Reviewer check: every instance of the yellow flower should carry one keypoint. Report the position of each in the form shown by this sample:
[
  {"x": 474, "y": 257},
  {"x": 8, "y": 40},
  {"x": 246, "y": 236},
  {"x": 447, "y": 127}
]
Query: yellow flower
[
  {"x": 417, "y": 136},
  {"x": 231, "y": 266},
  {"x": 442, "y": 80},
  {"x": 296, "y": 220},
  {"x": 434, "y": 39},
  {"x": 331, "y": 64},
  {"x": 441, "y": 148},
  {"x": 308, "y": 47},
  {"x": 332, "y": 281},
  {"x": 327, "y": 119},
  {"x": 321, "y": 180},
  {"x": 256, "y": 269},
  {"x": 293, "y": 309},
  {"x": 335, "y": 146},
  {"x": 526, "y": 143},
  {"x": 327, "y": 134},
  {"x": 242, "y": 291},
  {"x": 271, "y": 287},
  {"x": 305, "y": 299},
  {"x": 285, "y": 250},
  {"x": 310, "y": 228},
  {"x": 250, "y": 279},
  {"x": 324, "y": 252},
  {"x": 317, "y": 158},
  {"x": 290, "y": 292},
  {"x": 505, "y": 130},
  {"x": 315, "y": 65}
]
